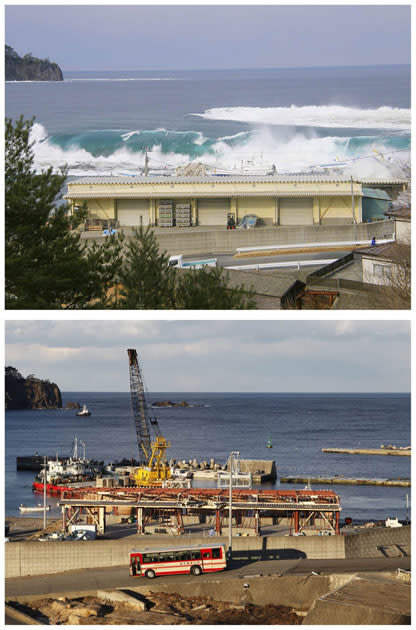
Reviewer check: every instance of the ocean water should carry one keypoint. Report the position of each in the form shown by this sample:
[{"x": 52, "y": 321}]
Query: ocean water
[
  {"x": 299, "y": 425},
  {"x": 297, "y": 119}
]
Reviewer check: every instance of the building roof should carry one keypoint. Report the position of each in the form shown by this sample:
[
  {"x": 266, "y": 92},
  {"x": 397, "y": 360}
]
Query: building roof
[
  {"x": 267, "y": 283},
  {"x": 234, "y": 179},
  {"x": 384, "y": 180},
  {"x": 400, "y": 213},
  {"x": 387, "y": 251}
]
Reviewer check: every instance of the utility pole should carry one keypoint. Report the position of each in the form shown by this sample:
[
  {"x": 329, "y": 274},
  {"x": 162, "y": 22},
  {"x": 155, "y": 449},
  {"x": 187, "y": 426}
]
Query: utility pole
[
  {"x": 353, "y": 200},
  {"x": 230, "y": 506},
  {"x": 44, "y": 492},
  {"x": 146, "y": 162}
]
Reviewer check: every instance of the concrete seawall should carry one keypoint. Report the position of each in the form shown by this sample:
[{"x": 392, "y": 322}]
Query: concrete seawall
[
  {"x": 229, "y": 240},
  {"x": 35, "y": 558},
  {"x": 200, "y": 240}
]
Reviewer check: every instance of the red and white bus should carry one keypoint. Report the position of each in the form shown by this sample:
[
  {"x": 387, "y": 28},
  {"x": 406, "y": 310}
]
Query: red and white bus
[{"x": 172, "y": 560}]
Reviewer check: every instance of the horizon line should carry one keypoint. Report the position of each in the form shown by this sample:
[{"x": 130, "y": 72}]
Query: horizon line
[
  {"x": 365, "y": 65},
  {"x": 69, "y": 391}
]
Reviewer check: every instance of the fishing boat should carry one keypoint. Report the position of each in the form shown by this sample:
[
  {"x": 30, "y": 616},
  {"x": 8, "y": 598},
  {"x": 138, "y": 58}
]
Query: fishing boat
[
  {"x": 35, "y": 508},
  {"x": 83, "y": 412},
  {"x": 62, "y": 472}
]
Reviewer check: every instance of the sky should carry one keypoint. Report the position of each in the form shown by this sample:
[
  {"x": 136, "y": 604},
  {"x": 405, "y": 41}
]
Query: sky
[
  {"x": 183, "y": 37},
  {"x": 215, "y": 355}
]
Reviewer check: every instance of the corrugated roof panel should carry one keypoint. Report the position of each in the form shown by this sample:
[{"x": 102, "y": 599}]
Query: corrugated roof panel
[
  {"x": 233, "y": 179},
  {"x": 278, "y": 179}
]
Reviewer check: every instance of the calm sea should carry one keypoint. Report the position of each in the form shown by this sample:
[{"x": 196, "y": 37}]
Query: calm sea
[
  {"x": 299, "y": 426},
  {"x": 296, "y": 119}
]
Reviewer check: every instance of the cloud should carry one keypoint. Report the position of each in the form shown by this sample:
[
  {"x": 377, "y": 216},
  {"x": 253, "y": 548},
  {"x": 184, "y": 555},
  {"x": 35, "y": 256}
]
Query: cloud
[{"x": 215, "y": 355}]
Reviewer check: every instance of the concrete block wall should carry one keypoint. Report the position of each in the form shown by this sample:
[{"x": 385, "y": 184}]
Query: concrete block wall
[
  {"x": 36, "y": 558},
  {"x": 391, "y": 542},
  {"x": 206, "y": 241}
]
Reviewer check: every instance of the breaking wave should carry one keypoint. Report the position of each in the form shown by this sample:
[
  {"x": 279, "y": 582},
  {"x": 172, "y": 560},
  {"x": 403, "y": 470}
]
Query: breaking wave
[
  {"x": 123, "y": 151},
  {"x": 315, "y": 116}
]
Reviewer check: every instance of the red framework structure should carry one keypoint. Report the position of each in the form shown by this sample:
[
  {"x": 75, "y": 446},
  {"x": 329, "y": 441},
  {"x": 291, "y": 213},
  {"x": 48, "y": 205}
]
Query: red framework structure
[{"x": 306, "y": 509}]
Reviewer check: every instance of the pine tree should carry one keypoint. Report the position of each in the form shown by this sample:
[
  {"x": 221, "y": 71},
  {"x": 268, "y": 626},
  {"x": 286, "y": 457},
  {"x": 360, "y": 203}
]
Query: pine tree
[
  {"x": 208, "y": 288},
  {"x": 46, "y": 265},
  {"x": 145, "y": 278},
  {"x": 147, "y": 282}
]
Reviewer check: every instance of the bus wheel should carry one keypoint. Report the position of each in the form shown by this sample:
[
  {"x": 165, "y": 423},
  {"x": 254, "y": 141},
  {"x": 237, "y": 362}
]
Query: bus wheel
[
  {"x": 196, "y": 570},
  {"x": 150, "y": 574}
]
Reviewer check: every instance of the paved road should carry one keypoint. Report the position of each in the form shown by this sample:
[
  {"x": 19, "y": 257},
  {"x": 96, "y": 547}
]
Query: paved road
[
  {"x": 228, "y": 260},
  {"x": 118, "y": 577}
]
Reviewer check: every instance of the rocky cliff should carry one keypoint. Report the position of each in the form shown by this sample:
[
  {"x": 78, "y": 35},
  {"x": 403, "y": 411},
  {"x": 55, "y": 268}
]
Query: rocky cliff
[
  {"x": 28, "y": 68},
  {"x": 30, "y": 392}
]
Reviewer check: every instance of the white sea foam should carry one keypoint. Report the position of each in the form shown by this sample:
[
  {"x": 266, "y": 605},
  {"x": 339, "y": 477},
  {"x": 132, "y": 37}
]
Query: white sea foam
[
  {"x": 315, "y": 116},
  {"x": 118, "y": 79},
  {"x": 258, "y": 151}
]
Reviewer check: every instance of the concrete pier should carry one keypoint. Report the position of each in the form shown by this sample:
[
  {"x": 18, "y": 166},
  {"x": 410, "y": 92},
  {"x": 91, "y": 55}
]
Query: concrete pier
[
  {"x": 370, "y": 451},
  {"x": 348, "y": 481}
]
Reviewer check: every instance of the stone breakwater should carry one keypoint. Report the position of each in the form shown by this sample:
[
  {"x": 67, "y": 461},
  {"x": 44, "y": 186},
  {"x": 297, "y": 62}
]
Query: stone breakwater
[{"x": 401, "y": 451}]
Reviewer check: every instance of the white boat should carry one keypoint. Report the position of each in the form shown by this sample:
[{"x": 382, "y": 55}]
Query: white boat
[
  {"x": 55, "y": 536},
  {"x": 36, "y": 508},
  {"x": 74, "y": 468},
  {"x": 84, "y": 411}
]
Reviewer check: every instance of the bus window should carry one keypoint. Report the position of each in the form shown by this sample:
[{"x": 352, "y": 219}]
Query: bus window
[
  {"x": 216, "y": 553},
  {"x": 206, "y": 555},
  {"x": 195, "y": 554}
]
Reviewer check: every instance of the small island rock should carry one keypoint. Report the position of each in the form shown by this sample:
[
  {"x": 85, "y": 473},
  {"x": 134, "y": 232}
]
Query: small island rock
[{"x": 72, "y": 405}]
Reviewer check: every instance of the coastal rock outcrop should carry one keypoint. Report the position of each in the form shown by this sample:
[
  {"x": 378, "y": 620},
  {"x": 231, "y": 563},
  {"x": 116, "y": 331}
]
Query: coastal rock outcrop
[
  {"x": 30, "y": 392},
  {"x": 72, "y": 405},
  {"x": 169, "y": 403},
  {"x": 29, "y": 68}
]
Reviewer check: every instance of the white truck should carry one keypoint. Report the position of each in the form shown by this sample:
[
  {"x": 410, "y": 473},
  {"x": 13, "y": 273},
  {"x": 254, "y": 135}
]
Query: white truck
[{"x": 180, "y": 263}]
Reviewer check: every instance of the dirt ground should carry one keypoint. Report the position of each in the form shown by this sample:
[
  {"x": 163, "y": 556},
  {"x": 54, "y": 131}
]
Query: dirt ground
[{"x": 162, "y": 609}]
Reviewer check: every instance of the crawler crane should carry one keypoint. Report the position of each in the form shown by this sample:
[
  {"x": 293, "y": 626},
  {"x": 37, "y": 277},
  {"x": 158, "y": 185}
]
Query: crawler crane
[{"x": 153, "y": 469}]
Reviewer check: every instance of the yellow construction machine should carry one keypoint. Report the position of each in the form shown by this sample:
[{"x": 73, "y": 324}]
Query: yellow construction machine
[{"x": 153, "y": 469}]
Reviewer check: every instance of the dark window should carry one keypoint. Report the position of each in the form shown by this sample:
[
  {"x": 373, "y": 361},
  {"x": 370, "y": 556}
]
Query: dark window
[
  {"x": 196, "y": 554},
  {"x": 183, "y": 555},
  {"x": 216, "y": 553},
  {"x": 206, "y": 554},
  {"x": 167, "y": 556}
]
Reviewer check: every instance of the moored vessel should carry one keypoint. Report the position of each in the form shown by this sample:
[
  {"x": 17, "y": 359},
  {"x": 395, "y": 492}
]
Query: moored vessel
[
  {"x": 34, "y": 508},
  {"x": 83, "y": 412}
]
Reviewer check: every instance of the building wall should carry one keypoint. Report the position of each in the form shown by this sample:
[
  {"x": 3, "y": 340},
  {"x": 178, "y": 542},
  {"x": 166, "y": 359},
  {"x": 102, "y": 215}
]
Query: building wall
[
  {"x": 376, "y": 271},
  {"x": 263, "y": 207},
  {"x": 326, "y": 210},
  {"x": 337, "y": 210},
  {"x": 99, "y": 208},
  {"x": 374, "y": 208},
  {"x": 331, "y": 201},
  {"x": 403, "y": 231}
]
